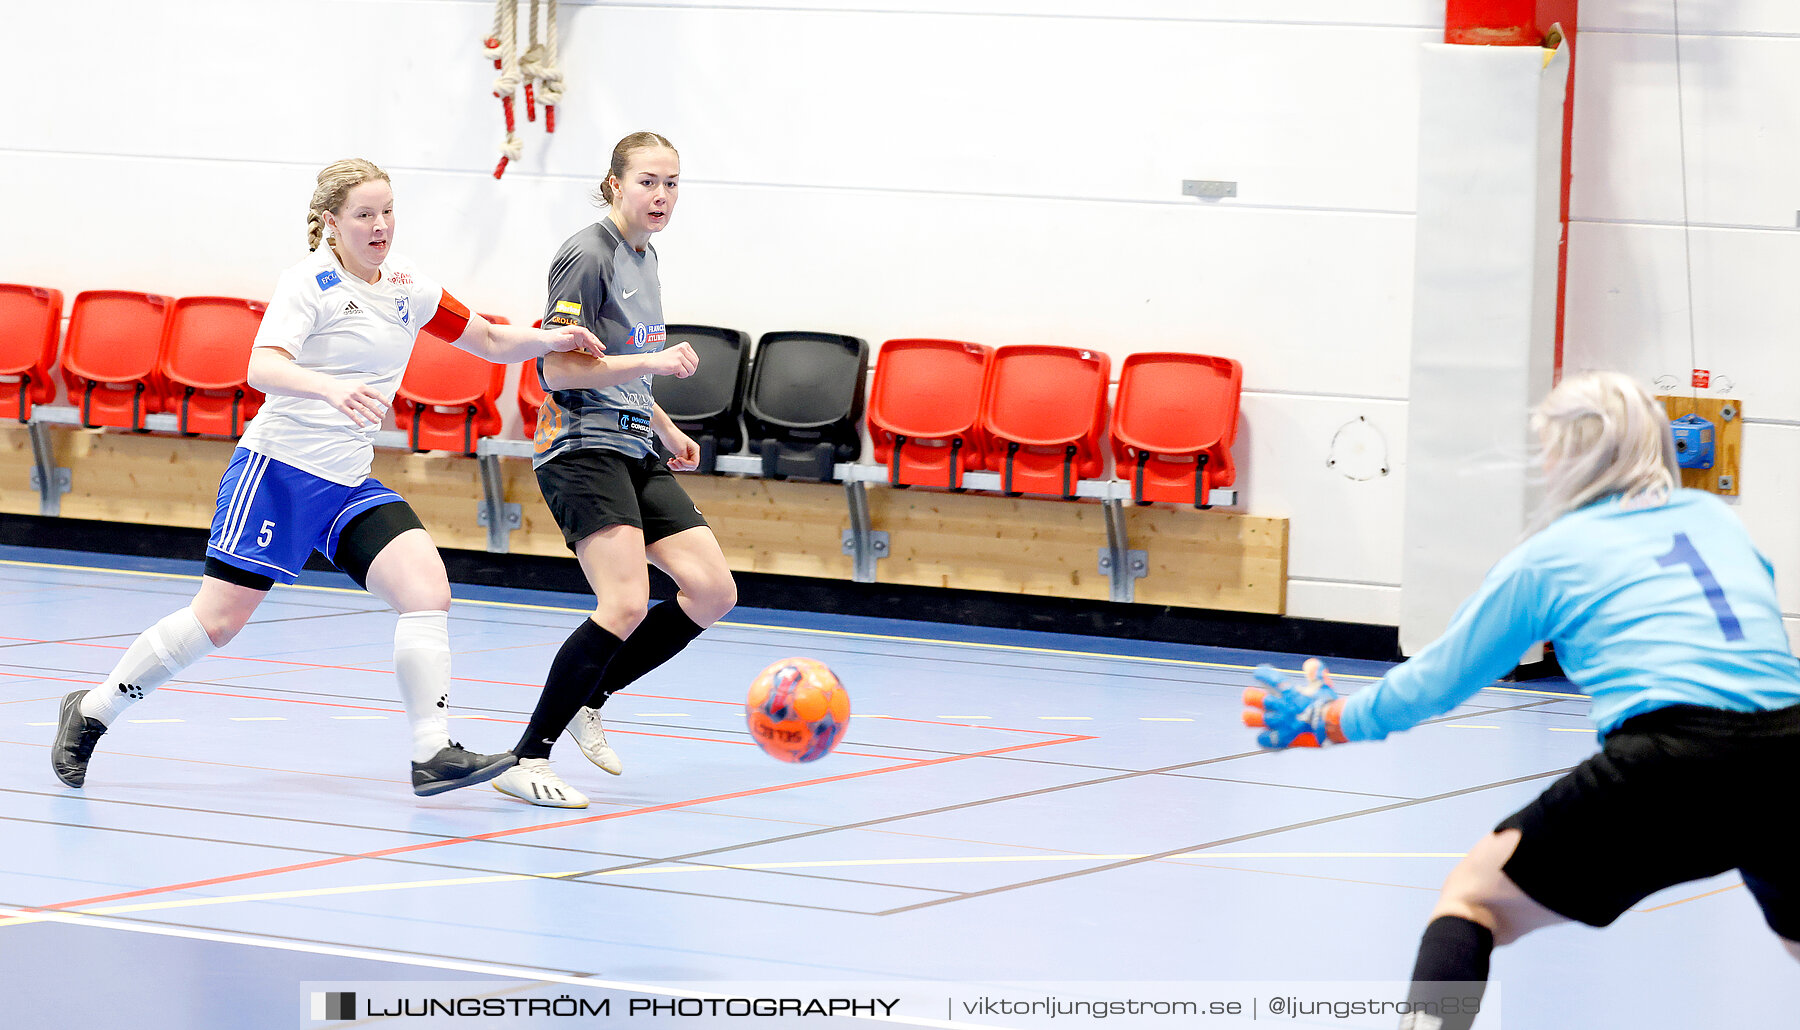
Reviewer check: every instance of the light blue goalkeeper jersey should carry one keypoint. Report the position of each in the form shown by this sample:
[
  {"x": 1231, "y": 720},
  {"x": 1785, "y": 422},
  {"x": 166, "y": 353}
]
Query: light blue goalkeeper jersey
[{"x": 1646, "y": 607}]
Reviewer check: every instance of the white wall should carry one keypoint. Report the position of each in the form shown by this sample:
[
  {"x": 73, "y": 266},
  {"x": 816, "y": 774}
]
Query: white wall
[
  {"x": 997, "y": 170},
  {"x": 1632, "y": 252}
]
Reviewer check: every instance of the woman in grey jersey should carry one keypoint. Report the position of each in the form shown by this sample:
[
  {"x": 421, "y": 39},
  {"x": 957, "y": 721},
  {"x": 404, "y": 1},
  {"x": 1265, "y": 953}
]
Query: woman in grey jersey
[{"x": 603, "y": 479}]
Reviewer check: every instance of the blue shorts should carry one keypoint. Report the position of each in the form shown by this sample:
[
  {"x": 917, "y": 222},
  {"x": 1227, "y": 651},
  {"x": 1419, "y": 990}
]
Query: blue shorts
[{"x": 271, "y": 515}]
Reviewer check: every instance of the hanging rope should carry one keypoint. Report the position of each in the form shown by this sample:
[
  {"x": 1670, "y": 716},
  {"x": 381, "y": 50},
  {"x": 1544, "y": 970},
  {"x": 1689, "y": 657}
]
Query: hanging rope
[
  {"x": 1687, "y": 228},
  {"x": 549, "y": 72},
  {"x": 536, "y": 67},
  {"x": 503, "y": 46},
  {"x": 531, "y": 62}
]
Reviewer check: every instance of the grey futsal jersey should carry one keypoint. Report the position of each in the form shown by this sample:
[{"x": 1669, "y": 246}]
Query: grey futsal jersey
[{"x": 599, "y": 281}]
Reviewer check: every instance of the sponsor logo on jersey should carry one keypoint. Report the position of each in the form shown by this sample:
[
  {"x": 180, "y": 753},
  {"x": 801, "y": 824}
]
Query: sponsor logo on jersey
[
  {"x": 644, "y": 335},
  {"x": 633, "y": 423},
  {"x": 630, "y": 293},
  {"x": 400, "y": 278},
  {"x": 351, "y": 308},
  {"x": 328, "y": 278},
  {"x": 568, "y": 307},
  {"x": 405, "y": 316}
]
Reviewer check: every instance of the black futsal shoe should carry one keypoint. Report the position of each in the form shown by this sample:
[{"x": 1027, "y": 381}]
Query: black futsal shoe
[
  {"x": 453, "y": 767},
  {"x": 76, "y": 736}
]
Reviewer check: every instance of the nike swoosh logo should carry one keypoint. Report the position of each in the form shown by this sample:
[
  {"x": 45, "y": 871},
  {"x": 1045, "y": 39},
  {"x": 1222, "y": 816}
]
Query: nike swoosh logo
[{"x": 628, "y": 293}]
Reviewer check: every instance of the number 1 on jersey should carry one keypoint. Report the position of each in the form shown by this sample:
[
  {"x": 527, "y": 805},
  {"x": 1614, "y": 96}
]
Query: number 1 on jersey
[{"x": 1683, "y": 553}]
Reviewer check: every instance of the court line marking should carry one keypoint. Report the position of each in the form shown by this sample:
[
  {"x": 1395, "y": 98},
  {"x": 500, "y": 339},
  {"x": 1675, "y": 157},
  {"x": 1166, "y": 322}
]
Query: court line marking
[
  {"x": 515, "y": 722},
  {"x": 25, "y": 916},
  {"x": 337, "y": 859},
  {"x": 1203, "y": 847},
  {"x": 222, "y": 765},
  {"x": 1697, "y": 897},
  {"x": 710, "y": 867},
  {"x": 843, "y": 634},
  {"x": 517, "y": 830},
  {"x": 458, "y": 965}
]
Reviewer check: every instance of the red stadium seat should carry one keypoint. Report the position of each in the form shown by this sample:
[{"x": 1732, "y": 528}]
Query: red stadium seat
[
  {"x": 531, "y": 391},
  {"x": 30, "y": 327},
  {"x": 449, "y": 398},
  {"x": 110, "y": 358},
  {"x": 925, "y": 410},
  {"x": 1174, "y": 421},
  {"x": 1043, "y": 409},
  {"x": 204, "y": 361},
  {"x": 530, "y": 396}
]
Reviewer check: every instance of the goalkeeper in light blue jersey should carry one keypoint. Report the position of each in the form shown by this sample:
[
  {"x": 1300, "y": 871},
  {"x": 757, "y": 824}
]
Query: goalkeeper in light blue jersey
[{"x": 1661, "y": 609}]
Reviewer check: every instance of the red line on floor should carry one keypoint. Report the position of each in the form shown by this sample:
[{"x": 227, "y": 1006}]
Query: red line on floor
[
  {"x": 52, "y": 679},
  {"x": 521, "y": 722},
  {"x": 282, "y": 700},
  {"x": 516, "y": 831}
]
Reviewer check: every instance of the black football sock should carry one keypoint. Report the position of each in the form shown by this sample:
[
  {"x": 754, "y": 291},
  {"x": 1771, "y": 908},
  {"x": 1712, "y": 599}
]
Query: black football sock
[
  {"x": 1450, "y": 974},
  {"x": 574, "y": 672},
  {"x": 660, "y": 637}
]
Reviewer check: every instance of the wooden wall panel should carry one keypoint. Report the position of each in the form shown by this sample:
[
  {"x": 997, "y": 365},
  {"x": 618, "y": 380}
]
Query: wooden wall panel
[
  {"x": 141, "y": 477},
  {"x": 16, "y": 495},
  {"x": 973, "y": 541},
  {"x": 782, "y": 527},
  {"x": 1209, "y": 559},
  {"x": 987, "y": 542}
]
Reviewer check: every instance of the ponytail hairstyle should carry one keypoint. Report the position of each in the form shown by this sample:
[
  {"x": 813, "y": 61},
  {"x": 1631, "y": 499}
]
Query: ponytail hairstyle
[
  {"x": 336, "y": 180},
  {"x": 621, "y": 157},
  {"x": 1602, "y": 435}
]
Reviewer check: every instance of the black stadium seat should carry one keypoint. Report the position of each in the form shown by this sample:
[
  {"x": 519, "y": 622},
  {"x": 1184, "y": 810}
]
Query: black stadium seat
[
  {"x": 805, "y": 406},
  {"x": 709, "y": 404}
]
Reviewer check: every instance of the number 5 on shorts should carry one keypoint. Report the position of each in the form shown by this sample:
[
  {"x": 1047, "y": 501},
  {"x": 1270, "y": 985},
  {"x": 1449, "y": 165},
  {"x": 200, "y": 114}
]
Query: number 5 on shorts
[{"x": 267, "y": 534}]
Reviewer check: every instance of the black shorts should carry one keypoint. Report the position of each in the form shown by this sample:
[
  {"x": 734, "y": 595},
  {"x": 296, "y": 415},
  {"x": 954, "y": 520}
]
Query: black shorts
[
  {"x": 1677, "y": 794},
  {"x": 590, "y": 489}
]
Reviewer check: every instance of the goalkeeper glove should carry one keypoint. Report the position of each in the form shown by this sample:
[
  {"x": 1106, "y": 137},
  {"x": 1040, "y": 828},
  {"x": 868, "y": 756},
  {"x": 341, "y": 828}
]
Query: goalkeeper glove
[{"x": 1295, "y": 715}]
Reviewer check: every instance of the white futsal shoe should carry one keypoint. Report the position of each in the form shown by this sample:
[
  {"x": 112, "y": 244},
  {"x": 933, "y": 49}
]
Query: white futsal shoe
[
  {"x": 533, "y": 780},
  {"x": 590, "y": 737}
]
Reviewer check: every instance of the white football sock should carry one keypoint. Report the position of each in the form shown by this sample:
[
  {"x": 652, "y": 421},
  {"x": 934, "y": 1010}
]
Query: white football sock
[
  {"x": 156, "y": 656},
  {"x": 422, "y": 665}
]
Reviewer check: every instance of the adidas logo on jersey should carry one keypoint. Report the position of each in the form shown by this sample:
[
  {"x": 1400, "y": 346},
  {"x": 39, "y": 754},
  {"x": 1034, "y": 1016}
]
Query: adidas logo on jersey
[{"x": 351, "y": 308}]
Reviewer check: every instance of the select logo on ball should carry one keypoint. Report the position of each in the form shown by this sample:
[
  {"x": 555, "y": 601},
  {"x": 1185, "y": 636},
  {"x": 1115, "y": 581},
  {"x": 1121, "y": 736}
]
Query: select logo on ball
[{"x": 797, "y": 710}]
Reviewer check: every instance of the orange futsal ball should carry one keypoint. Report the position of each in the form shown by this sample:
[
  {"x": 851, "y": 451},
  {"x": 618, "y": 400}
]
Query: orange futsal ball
[{"x": 797, "y": 710}]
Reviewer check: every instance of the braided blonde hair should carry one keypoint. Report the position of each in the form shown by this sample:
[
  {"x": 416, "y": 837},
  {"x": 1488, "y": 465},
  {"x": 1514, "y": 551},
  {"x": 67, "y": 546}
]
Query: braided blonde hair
[
  {"x": 621, "y": 157},
  {"x": 336, "y": 180}
]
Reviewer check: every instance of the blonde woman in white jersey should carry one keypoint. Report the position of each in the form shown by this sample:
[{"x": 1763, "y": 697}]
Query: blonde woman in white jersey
[{"x": 330, "y": 354}]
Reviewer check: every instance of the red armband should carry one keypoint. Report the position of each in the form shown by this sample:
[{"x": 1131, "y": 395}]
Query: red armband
[{"x": 451, "y": 320}]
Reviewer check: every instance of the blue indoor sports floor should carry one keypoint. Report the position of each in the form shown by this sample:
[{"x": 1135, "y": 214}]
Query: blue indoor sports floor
[{"x": 1006, "y": 807}]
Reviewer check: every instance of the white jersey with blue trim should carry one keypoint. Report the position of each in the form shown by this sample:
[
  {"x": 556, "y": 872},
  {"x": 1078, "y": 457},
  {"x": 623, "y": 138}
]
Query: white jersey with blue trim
[
  {"x": 1646, "y": 607},
  {"x": 335, "y": 323}
]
